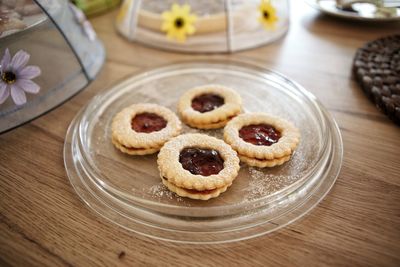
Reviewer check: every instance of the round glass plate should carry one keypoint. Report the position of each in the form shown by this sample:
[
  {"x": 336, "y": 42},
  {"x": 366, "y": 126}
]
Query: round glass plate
[
  {"x": 128, "y": 191},
  {"x": 359, "y": 11}
]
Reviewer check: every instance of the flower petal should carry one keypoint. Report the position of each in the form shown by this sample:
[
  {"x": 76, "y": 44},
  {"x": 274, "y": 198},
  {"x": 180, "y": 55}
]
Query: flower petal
[
  {"x": 4, "y": 92},
  {"x": 5, "y": 60},
  {"x": 28, "y": 86},
  {"x": 19, "y": 60},
  {"x": 176, "y": 8},
  {"x": 170, "y": 35},
  {"x": 166, "y": 15},
  {"x": 165, "y": 26},
  {"x": 192, "y": 18},
  {"x": 190, "y": 29},
  {"x": 18, "y": 95},
  {"x": 185, "y": 9},
  {"x": 180, "y": 36},
  {"x": 29, "y": 72}
]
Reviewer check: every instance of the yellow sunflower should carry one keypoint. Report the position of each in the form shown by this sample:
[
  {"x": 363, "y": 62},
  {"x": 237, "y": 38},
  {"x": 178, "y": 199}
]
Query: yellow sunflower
[
  {"x": 178, "y": 22},
  {"x": 267, "y": 14}
]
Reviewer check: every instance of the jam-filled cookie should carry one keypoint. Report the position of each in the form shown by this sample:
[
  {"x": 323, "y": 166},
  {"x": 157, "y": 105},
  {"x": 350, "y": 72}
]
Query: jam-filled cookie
[
  {"x": 142, "y": 129},
  {"x": 197, "y": 166},
  {"x": 209, "y": 106},
  {"x": 262, "y": 140}
]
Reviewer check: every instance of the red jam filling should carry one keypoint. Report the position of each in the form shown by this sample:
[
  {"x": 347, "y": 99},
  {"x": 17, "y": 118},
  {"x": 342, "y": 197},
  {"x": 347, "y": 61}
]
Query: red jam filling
[
  {"x": 194, "y": 191},
  {"x": 147, "y": 123},
  {"x": 260, "y": 134},
  {"x": 207, "y": 102},
  {"x": 201, "y": 161}
]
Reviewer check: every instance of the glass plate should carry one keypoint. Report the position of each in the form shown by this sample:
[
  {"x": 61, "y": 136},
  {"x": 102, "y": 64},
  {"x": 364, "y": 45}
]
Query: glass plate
[{"x": 128, "y": 191}]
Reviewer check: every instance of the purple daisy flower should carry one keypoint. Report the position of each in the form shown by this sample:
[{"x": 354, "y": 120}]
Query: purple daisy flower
[{"x": 15, "y": 77}]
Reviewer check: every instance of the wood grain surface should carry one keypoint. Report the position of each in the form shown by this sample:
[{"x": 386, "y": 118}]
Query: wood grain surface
[{"x": 44, "y": 223}]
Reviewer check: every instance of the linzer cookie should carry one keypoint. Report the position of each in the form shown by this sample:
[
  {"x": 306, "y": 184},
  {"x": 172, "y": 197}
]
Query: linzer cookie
[
  {"x": 197, "y": 166},
  {"x": 142, "y": 129},
  {"x": 377, "y": 69},
  {"x": 262, "y": 140},
  {"x": 209, "y": 106}
]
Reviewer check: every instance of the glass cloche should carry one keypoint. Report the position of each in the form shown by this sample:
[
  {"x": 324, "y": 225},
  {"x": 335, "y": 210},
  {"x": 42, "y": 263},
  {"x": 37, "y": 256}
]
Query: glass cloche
[
  {"x": 49, "y": 52},
  {"x": 203, "y": 25}
]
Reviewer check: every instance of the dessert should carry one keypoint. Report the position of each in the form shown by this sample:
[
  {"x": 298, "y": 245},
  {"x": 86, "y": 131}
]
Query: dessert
[
  {"x": 197, "y": 166},
  {"x": 209, "y": 106},
  {"x": 142, "y": 129},
  {"x": 262, "y": 140}
]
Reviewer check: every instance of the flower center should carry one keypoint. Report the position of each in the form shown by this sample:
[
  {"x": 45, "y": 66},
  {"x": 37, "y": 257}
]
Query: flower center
[
  {"x": 179, "y": 22},
  {"x": 266, "y": 14},
  {"x": 9, "y": 77}
]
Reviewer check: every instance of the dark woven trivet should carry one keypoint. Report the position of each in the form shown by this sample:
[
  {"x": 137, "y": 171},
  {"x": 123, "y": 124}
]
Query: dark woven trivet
[{"x": 377, "y": 69}]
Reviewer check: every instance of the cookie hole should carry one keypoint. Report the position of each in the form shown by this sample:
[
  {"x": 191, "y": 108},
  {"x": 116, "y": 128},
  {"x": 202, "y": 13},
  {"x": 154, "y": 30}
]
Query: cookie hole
[
  {"x": 207, "y": 102},
  {"x": 148, "y": 123},
  {"x": 260, "y": 134},
  {"x": 201, "y": 161}
]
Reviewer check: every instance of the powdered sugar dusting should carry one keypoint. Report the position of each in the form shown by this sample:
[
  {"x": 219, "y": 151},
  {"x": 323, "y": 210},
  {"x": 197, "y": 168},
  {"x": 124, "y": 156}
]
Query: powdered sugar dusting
[
  {"x": 262, "y": 183},
  {"x": 160, "y": 191},
  {"x": 267, "y": 181}
]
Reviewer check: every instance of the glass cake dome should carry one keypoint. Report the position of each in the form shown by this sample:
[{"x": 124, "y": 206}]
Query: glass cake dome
[
  {"x": 208, "y": 26},
  {"x": 49, "y": 52}
]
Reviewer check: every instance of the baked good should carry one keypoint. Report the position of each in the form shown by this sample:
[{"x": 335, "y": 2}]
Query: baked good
[
  {"x": 209, "y": 106},
  {"x": 197, "y": 166},
  {"x": 262, "y": 140},
  {"x": 142, "y": 129}
]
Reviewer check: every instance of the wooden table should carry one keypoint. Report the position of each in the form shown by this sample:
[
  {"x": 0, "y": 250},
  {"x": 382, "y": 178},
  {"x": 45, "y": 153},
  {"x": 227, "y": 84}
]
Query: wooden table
[{"x": 44, "y": 223}]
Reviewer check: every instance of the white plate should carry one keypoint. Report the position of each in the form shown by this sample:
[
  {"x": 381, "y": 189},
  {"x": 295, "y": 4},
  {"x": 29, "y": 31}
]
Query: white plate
[{"x": 365, "y": 12}]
